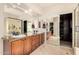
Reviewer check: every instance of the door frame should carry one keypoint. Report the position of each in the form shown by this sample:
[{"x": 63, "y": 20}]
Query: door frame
[
  {"x": 73, "y": 28},
  {"x": 75, "y": 17}
]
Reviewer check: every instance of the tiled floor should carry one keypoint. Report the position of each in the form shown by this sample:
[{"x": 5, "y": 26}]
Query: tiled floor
[
  {"x": 66, "y": 44},
  {"x": 53, "y": 49},
  {"x": 46, "y": 49}
]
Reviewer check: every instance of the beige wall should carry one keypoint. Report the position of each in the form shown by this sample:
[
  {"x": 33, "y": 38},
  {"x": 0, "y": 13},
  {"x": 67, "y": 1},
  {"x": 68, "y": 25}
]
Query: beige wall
[{"x": 1, "y": 28}]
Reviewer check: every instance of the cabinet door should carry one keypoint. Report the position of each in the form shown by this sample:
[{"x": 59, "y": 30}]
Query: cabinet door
[
  {"x": 38, "y": 40},
  {"x": 17, "y": 47},
  {"x": 42, "y": 38},
  {"x": 27, "y": 45},
  {"x": 34, "y": 41}
]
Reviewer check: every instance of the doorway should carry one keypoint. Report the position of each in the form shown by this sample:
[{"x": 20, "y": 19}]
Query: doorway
[
  {"x": 66, "y": 30},
  {"x": 51, "y": 28}
]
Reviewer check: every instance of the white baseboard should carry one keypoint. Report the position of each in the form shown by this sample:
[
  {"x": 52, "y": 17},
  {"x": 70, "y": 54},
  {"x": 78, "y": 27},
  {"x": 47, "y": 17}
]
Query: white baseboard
[{"x": 76, "y": 51}]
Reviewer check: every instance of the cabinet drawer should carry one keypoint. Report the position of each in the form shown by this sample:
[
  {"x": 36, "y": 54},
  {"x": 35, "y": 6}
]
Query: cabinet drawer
[
  {"x": 34, "y": 47},
  {"x": 27, "y": 46},
  {"x": 17, "y": 47}
]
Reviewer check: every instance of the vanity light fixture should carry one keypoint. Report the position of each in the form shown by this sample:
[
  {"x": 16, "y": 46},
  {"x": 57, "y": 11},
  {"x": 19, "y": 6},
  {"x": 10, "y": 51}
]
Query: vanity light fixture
[
  {"x": 18, "y": 3},
  {"x": 30, "y": 10},
  {"x": 14, "y": 6},
  {"x": 26, "y": 11}
]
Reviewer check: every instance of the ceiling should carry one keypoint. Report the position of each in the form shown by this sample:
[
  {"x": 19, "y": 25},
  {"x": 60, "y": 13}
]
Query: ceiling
[
  {"x": 41, "y": 9},
  {"x": 47, "y": 8}
]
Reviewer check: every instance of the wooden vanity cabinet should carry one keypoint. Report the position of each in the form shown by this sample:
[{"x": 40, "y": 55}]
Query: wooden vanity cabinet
[
  {"x": 35, "y": 41},
  {"x": 38, "y": 39},
  {"x": 17, "y": 47},
  {"x": 42, "y": 38},
  {"x": 27, "y": 45},
  {"x": 23, "y": 46}
]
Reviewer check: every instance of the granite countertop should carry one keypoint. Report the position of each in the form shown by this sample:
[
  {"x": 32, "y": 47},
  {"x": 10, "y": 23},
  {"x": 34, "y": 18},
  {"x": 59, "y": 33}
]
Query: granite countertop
[{"x": 10, "y": 39}]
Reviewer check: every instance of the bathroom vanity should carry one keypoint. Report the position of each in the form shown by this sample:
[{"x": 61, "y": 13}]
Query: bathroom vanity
[{"x": 22, "y": 46}]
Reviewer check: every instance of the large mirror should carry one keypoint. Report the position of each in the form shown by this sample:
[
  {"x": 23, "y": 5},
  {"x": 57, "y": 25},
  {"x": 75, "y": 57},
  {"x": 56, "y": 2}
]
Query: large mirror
[{"x": 13, "y": 26}]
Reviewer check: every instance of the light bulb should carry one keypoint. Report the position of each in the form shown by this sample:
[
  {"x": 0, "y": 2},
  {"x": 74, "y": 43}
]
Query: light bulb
[
  {"x": 18, "y": 3},
  {"x": 30, "y": 10},
  {"x": 26, "y": 11}
]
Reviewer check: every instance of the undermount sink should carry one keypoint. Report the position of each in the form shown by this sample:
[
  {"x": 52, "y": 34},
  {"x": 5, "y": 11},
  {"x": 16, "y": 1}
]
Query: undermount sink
[{"x": 19, "y": 36}]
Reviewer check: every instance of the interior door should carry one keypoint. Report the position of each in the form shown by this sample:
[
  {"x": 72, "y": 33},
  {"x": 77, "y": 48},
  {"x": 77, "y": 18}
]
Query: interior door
[
  {"x": 54, "y": 39},
  {"x": 66, "y": 27}
]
